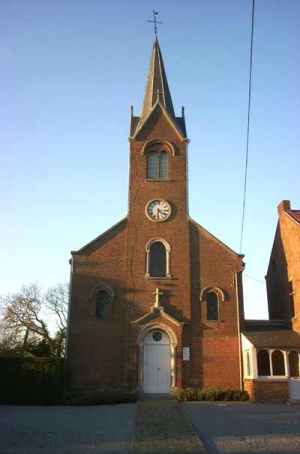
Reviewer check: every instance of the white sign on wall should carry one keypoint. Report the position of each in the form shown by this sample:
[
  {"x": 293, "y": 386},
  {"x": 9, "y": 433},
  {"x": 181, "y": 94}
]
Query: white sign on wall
[{"x": 186, "y": 353}]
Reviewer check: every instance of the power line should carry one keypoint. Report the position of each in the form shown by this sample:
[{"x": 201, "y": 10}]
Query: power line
[
  {"x": 254, "y": 279},
  {"x": 248, "y": 127}
]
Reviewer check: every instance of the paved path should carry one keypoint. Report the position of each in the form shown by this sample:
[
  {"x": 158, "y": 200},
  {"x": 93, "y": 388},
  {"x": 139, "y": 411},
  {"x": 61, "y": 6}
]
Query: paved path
[
  {"x": 161, "y": 428},
  {"x": 151, "y": 427},
  {"x": 244, "y": 427},
  {"x": 66, "y": 430}
]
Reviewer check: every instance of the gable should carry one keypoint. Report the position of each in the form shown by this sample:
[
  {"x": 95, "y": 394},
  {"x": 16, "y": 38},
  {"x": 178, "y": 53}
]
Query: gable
[
  {"x": 285, "y": 248},
  {"x": 157, "y": 313},
  {"x": 277, "y": 249},
  {"x": 101, "y": 240},
  {"x": 161, "y": 119},
  {"x": 215, "y": 240}
]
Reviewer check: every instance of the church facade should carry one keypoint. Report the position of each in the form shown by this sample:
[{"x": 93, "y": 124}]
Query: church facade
[{"x": 156, "y": 301}]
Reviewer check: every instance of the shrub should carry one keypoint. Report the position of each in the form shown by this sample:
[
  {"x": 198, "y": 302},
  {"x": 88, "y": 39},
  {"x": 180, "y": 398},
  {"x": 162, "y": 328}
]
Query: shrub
[
  {"x": 211, "y": 394},
  {"x": 108, "y": 396}
]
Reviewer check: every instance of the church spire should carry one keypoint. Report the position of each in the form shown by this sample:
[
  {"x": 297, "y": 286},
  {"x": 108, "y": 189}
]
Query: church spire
[
  {"x": 157, "y": 94},
  {"x": 157, "y": 85}
]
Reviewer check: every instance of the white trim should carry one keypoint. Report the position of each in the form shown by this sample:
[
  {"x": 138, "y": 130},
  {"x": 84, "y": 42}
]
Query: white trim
[{"x": 253, "y": 352}]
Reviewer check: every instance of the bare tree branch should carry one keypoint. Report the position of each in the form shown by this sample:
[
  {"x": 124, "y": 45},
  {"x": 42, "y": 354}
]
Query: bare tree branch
[{"x": 22, "y": 324}]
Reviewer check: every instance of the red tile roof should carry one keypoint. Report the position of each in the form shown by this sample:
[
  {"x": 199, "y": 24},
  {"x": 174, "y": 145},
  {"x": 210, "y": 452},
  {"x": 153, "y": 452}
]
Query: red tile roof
[{"x": 294, "y": 214}]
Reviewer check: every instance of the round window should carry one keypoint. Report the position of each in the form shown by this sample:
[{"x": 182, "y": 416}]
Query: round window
[{"x": 157, "y": 336}]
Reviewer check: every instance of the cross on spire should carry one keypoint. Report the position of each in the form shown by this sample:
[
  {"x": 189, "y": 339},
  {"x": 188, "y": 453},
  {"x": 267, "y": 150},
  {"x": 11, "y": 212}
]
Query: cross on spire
[
  {"x": 158, "y": 93},
  {"x": 157, "y": 294},
  {"x": 155, "y": 22}
]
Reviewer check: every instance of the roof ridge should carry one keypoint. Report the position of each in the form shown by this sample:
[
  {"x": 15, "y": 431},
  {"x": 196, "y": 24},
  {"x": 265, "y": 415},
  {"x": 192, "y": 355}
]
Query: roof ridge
[
  {"x": 223, "y": 245},
  {"x": 294, "y": 215}
]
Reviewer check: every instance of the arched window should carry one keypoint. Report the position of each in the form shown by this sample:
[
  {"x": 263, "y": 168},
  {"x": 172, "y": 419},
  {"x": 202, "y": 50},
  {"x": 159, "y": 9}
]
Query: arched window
[
  {"x": 102, "y": 297},
  {"x": 158, "y": 260},
  {"x": 278, "y": 363},
  {"x": 294, "y": 364},
  {"x": 263, "y": 363},
  {"x": 157, "y": 165},
  {"x": 212, "y": 306},
  {"x": 102, "y": 304},
  {"x": 158, "y": 253}
]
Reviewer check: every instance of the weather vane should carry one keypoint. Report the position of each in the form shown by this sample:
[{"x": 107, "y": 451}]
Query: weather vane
[{"x": 155, "y": 22}]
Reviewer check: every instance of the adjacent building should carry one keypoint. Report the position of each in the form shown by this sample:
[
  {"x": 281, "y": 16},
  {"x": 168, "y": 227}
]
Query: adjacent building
[{"x": 271, "y": 348}]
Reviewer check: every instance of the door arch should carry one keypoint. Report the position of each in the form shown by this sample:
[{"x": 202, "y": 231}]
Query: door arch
[{"x": 157, "y": 347}]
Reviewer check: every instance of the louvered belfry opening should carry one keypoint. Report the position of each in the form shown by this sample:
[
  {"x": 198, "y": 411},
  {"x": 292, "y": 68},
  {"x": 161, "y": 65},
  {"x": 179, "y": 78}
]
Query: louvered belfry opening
[{"x": 157, "y": 165}]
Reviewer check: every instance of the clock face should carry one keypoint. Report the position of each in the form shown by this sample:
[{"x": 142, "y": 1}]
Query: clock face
[{"x": 158, "y": 210}]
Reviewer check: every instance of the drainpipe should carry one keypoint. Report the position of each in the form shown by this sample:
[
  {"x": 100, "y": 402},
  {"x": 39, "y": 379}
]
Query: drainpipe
[
  {"x": 236, "y": 275},
  {"x": 71, "y": 261}
]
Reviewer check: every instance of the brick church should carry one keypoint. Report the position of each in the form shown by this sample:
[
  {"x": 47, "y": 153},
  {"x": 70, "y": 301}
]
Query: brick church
[{"x": 156, "y": 300}]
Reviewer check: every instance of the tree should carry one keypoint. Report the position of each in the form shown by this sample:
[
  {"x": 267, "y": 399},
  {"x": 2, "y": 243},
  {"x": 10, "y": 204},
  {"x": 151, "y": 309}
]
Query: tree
[{"x": 23, "y": 327}]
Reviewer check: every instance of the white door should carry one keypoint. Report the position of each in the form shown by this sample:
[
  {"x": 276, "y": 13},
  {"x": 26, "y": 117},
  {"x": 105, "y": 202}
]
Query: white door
[{"x": 157, "y": 363}]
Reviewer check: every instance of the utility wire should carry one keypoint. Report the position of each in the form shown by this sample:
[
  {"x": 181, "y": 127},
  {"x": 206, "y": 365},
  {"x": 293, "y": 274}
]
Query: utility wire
[
  {"x": 254, "y": 279},
  {"x": 248, "y": 127}
]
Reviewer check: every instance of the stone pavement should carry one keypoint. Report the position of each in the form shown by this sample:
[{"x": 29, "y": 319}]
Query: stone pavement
[
  {"x": 161, "y": 427},
  {"x": 245, "y": 427},
  {"x": 153, "y": 426}
]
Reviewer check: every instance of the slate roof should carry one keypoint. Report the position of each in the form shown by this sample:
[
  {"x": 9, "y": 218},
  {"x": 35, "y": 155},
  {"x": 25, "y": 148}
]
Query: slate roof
[
  {"x": 273, "y": 339},
  {"x": 157, "y": 84},
  {"x": 157, "y": 91}
]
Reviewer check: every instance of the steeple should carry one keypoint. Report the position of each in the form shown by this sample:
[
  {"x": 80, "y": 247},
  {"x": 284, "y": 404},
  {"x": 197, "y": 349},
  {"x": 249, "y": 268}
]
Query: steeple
[
  {"x": 157, "y": 93},
  {"x": 157, "y": 85}
]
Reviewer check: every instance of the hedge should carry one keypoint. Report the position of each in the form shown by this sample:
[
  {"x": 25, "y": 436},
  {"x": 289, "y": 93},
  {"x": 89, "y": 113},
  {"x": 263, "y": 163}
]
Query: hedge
[
  {"x": 35, "y": 381},
  {"x": 118, "y": 395},
  {"x": 211, "y": 394}
]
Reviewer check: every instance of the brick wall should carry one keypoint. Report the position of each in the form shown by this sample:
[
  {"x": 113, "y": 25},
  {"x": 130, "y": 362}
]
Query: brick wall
[
  {"x": 283, "y": 285},
  {"x": 267, "y": 390}
]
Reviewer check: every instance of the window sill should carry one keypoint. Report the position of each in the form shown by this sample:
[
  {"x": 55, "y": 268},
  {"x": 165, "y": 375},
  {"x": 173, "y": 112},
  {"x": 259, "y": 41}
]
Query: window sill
[
  {"x": 271, "y": 378},
  {"x": 158, "y": 278},
  {"x": 166, "y": 180}
]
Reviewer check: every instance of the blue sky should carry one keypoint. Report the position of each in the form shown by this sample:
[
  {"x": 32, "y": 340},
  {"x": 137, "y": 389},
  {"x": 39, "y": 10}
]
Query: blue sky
[{"x": 70, "y": 71}]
